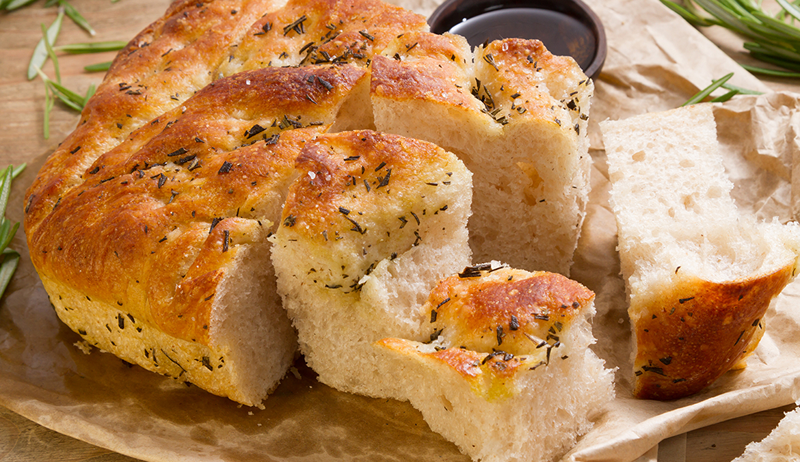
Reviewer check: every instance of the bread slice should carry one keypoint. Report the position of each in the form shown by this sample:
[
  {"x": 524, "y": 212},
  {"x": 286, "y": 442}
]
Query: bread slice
[
  {"x": 373, "y": 221},
  {"x": 517, "y": 116},
  {"x": 781, "y": 445},
  {"x": 699, "y": 274},
  {"x": 507, "y": 373}
]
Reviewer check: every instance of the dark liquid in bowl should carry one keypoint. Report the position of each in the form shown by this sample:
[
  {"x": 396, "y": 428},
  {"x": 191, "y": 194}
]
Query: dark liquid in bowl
[{"x": 560, "y": 33}]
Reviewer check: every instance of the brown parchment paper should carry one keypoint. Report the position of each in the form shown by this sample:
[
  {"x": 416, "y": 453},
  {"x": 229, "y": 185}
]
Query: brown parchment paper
[{"x": 655, "y": 62}]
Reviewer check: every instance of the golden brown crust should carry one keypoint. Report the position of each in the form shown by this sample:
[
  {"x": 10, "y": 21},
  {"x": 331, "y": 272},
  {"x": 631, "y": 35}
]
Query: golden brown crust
[
  {"x": 428, "y": 67},
  {"x": 505, "y": 309},
  {"x": 691, "y": 336},
  {"x": 492, "y": 323},
  {"x": 158, "y": 70},
  {"x": 159, "y": 218},
  {"x": 321, "y": 32},
  {"x": 370, "y": 192}
]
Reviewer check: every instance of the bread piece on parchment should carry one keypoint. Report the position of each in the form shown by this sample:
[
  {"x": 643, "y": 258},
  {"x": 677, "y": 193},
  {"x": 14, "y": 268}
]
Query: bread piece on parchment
[
  {"x": 517, "y": 116},
  {"x": 160, "y": 256},
  {"x": 781, "y": 445},
  {"x": 370, "y": 225},
  {"x": 508, "y": 375},
  {"x": 699, "y": 274}
]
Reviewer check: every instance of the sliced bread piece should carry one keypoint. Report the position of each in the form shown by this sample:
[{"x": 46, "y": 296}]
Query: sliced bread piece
[
  {"x": 781, "y": 445},
  {"x": 370, "y": 225},
  {"x": 509, "y": 375},
  {"x": 699, "y": 274},
  {"x": 516, "y": 115}
]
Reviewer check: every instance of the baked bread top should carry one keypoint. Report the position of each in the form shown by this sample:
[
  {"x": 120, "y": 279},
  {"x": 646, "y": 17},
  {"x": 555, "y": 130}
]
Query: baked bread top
[
  {"x": 157, "y": 218},
  {"x": 517, "y": 116}
]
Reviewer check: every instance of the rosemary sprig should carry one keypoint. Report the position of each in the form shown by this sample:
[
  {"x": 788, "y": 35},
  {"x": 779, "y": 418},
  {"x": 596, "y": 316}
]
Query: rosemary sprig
[
  {"x": 770, "y": 37},
  {"x": 10, "y": 257},
  {"x": 705, "y": 92},
  {"x": 720, "y": 83}
]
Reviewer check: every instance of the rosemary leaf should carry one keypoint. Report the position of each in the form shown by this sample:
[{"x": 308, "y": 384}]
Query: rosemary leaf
[
  {"x": 51, "y": 54},
  {"x": 789, "y": 9},
  {"x": 40, "y": 52},
  {"x": 703, "y": 94},
  {"x": 776, "y": 61},
  {"x": 5, "y": 232},
  {"x": 771, "y": 72},
  {"x": 7, "y": 268},
  {"x": 5, "y": 188},
  {"x": 14, "y": 4},
  {"x": 69, "y": 101},
  {"x": 72, "y": 99},
  {"x": 99, "y": 67},
  {"x": 743, "y": 91},
  {"x": 76, "y": 17},
  {"x": 687, "y": 14},
  {"x": 15, "y": 172},
  {"x": 48, "y": 106},
  {"x": 96, "y": 47},
  {"x": 725, "y": 97}
]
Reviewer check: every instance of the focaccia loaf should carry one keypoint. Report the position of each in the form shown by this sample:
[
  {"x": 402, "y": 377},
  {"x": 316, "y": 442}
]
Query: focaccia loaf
[
  {"x": 149, "y": 224},
  {"x": 699, "y": 274},
  {"x": 517, "y": 116},
  {"x": 507, "y": 373},
  {"x": 373, "y": 221}
]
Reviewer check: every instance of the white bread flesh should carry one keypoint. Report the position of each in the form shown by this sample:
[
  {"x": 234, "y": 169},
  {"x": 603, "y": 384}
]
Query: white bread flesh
[
  {"x": 517, "y": 116},
  {"x": 699, "y": 273},
  {"x": 370, "y": 225}
]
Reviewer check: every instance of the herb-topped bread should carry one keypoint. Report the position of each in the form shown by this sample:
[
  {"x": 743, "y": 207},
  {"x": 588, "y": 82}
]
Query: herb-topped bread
[
  {"x": 149, "y": 224},
  {"x": 506, "y": 373},
  {"x": 370, "y": 225},
  {"x": 699, "y": 273},
  {"x": 517, "y": 116}
]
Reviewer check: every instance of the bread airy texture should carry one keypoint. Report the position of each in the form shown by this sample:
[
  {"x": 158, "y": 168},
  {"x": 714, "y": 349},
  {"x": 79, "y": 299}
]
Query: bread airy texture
[
  {"x": 699, "y": 274},
  {"x": 373, "y": 221},
  {"x": 507, "y": 373},
  {"x": 781, "y": 445},
  {"x": 517, "y": 116}
]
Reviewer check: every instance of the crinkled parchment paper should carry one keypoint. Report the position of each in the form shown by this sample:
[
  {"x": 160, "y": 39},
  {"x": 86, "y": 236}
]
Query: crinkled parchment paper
[{"x": 655, "y": 62}]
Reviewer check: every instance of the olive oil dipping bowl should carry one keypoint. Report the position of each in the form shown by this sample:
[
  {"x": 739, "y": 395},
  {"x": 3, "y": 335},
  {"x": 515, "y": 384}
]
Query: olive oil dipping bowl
[{"x": 566, "y": 27}]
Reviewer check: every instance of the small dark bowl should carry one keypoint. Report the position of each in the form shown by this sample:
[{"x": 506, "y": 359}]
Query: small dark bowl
[{"x": 566, "y": 27}]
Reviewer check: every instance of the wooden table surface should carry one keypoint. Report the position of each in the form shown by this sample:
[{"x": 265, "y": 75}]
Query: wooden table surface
[{"x": 21, "y": 115}]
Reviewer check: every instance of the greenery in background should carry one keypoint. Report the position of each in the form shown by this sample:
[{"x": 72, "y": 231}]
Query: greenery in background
[
  {"x": 705, "y": 93},
  {"x": 10, "y": 257},
  {"x": 46, "y": 49},
  {"x": 771, "y": 38}
]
